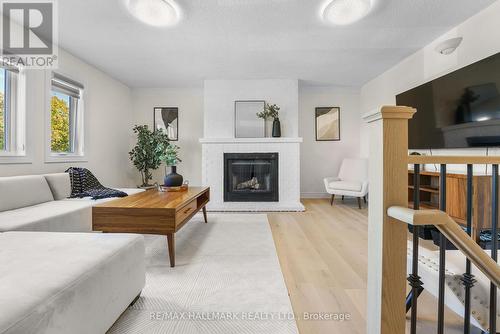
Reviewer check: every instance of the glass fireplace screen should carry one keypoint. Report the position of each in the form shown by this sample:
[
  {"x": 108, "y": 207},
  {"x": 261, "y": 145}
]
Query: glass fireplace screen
[{"x": 250, "y": 177}]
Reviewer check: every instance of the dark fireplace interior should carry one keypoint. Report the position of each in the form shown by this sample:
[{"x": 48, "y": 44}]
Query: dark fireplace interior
[{"x": 251, "y": 177}]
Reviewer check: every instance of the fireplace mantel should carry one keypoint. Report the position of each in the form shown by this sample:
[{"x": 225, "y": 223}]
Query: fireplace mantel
[
  {"x": 288, "y": 149},
  {"x": 250, "y": 140}
]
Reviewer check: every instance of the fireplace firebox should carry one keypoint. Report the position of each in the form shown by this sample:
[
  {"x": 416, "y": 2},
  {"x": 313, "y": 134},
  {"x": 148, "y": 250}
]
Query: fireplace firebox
[{"x": 251, "y": 177}]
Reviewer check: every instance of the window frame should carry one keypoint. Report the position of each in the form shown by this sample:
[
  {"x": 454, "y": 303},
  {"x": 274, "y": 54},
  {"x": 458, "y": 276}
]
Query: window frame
[
  {"x": 6, "y": 113},
  {"x": 79, "y": 150},
  {"x": 15, "y": 124}
]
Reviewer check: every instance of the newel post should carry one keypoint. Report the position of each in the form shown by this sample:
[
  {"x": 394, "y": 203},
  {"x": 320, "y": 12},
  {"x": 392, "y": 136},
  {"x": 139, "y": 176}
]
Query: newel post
[{"x": 388, "y": 135}]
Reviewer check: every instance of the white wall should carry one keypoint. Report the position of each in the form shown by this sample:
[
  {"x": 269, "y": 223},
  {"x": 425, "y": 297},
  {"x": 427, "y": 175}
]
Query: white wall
[
  {"x": 320, "y": 159},
  {"x": 190, "y": 104},
  {"x": 481, "y": 38},
  {"x": 108, "y": 115},
  {"x": 219, "y": 100}
]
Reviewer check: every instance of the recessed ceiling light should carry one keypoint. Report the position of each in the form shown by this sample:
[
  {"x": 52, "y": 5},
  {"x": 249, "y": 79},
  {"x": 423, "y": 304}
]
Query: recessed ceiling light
[
  {"x": 159, "y": 13},
  {"x": 342, "y": 12}
]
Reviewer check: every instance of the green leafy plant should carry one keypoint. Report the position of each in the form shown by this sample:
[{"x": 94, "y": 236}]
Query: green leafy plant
[
  {"x": 59, "y": 124},
  {"x": 171, "y": 155},
  {"x": 148, "y": 152},
  {"x": 270, "y": 111},
  {"x": 2, "y": 120}
]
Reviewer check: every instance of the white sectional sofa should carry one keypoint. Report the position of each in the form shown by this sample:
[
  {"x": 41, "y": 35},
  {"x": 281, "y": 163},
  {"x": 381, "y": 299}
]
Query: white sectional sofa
[
  {"x": 67, "y": 282},
  {"x": 40, "y": 203},
  {"x": 53, "y": 281}
]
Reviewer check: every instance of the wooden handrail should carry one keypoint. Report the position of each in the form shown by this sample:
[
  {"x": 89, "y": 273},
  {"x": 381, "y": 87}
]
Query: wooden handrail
[
  {"x": 454, "y": 233},
  {"x": 418, "y": 217},
  {"x": 453, "y": 160}
]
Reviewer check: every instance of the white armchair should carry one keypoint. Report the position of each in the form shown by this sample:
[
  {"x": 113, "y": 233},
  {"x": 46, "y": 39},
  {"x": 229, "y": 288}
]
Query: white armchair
[{"x": 351, "y": 181}]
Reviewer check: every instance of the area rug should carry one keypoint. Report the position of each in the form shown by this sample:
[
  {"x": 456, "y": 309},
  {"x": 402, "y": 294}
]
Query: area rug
[{"x": 227, "y": 279}]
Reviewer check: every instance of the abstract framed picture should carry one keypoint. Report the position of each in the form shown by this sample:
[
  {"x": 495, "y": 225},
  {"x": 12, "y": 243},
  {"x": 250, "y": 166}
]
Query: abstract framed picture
[
  {"x": 327, "y": 122},
  {"x": 167, "y": 119}
]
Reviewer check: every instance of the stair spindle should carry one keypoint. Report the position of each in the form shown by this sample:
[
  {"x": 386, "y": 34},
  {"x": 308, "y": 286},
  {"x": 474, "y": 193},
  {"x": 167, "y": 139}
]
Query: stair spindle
[
  {"x": 413, "y": 278},
  {"x": 494, "y": 246},
  {"x": 442, "y": 252},
  {"x": 467, "y": 278}
]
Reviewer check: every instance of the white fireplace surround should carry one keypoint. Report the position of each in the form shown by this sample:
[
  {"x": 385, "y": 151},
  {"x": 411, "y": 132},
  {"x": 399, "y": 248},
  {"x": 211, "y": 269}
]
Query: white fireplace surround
[
  {"x": 218, "y": 112},
  {"x": 288, "y": 150}
]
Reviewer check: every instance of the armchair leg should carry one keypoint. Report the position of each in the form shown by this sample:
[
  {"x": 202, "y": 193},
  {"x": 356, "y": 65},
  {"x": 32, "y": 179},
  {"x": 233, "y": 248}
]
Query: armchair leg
[
  {"x": 364, "y": 198},
  {"x": 342, "y": 198},
  {"x": 359, "y": 202},
  {"x": 332, "y": 199}
]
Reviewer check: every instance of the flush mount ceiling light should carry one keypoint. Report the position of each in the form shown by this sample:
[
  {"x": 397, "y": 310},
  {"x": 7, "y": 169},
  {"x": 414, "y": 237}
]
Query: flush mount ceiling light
[
  {"x": 449, "y": 46},
  {"x": 158, "y": 13},
  {"x": 342, "y": 12}
]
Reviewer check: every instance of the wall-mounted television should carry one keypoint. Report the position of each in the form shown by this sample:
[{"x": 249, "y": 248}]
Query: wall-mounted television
[{"x": 458, "y": 110}]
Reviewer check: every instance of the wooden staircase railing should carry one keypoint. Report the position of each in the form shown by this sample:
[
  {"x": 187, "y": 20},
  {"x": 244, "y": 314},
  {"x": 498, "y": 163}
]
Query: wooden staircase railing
[
  {"x": 388, "y": 237},
  {"x": 453, "y": 233}
]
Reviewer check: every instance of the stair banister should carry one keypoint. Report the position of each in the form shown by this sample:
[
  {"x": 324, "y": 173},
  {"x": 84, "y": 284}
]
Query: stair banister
[
  {"x": 454, "y": 233},
  {"x": 387, "y": 237},
  {"x": 388, "y": 175}
]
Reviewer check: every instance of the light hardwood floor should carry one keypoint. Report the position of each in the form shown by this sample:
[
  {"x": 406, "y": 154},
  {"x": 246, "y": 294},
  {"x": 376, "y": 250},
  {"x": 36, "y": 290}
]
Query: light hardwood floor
[{"x": 323, "y": 255}]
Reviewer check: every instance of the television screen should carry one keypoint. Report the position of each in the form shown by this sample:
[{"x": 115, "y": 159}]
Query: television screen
[{"x": 458, "y": 110}]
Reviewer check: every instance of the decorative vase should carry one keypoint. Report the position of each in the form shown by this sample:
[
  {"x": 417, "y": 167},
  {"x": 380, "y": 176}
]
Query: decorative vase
[
  {"x": 173, "y": 179},
  {"x": 276, "y": 128},
  {"x": 268, "y": 128}
]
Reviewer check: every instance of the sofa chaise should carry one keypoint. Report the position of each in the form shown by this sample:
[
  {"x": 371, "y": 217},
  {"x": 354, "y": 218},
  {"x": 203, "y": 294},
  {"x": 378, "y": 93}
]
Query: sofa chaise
[
  {"x": 67, "y": 282},
  {"x": 54, "y": 277}
]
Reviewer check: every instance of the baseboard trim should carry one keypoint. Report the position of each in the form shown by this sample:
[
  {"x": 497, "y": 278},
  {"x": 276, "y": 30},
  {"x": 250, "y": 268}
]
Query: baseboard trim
[
  {"x": 315, "y": 195},
  {"x": 255, "y": 207}
]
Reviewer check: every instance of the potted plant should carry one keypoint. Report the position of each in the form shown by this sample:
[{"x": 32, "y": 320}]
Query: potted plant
[
  {"x": 171, "y": 158},
  {"x": 271, "y": 111},
  {"x": 148, "y": 151}
]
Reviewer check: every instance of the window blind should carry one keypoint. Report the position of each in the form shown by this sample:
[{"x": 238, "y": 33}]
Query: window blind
[
  {"x": 66, "y": 86},
  {"x": 8, "y": 66},
  {"x": 12, "y": 69}
]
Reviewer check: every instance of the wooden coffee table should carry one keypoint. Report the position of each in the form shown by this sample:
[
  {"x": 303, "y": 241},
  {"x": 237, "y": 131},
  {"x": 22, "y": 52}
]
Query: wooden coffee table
[{"x": 151, "y": 212}]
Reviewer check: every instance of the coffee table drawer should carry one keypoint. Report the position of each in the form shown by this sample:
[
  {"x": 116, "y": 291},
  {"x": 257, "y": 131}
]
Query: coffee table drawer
[{"x": 185, "y": 211}]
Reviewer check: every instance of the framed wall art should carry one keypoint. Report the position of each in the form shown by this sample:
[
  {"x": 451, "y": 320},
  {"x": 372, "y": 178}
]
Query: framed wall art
[
  {"x": 167, "y": 119},
  {"x": 327, "y": 120}
]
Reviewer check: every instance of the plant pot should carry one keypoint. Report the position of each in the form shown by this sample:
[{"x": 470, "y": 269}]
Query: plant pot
[
  {"x": 268, "y": 128},
  {"x": 173, "y": 179},
  {"x": 276, "y": 128}
]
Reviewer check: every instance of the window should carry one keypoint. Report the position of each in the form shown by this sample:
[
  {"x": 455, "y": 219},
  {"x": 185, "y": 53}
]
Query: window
[
  {"x": 3, "y": 113},
  {"x": 66, "y": 117},
  {"x": 12, "y": 118}
]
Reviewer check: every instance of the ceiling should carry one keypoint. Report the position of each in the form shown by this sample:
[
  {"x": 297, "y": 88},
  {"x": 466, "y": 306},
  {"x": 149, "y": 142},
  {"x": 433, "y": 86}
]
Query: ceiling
[{"x": 252, "y": 39}]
